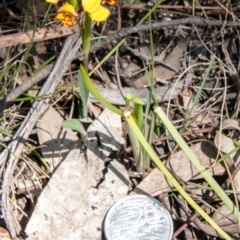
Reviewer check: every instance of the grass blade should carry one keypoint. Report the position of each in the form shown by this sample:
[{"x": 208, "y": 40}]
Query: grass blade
[
  {"x": 170, "y": 177},
  {"x": 191, "y": 156}
]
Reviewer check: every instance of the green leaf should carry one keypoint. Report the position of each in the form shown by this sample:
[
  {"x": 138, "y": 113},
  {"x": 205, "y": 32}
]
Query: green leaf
[
  {"x": 74, "y": 124},
  {"x": 93, "y": 90},
  {"x": 84, "y": 94},
  {"x": 131, "y": 123},
  {"x": 138, "y": 115},
  {"x": 137, "y": 149},
  {"x": 133, "y": 98},
  {"x": 138, "y": 118},
  {"x": 137, "y": 109},
  {"x": 195, "y": 161}
]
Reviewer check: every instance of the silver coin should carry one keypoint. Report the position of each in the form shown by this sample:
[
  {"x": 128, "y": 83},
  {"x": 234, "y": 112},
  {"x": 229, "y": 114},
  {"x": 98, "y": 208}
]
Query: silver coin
[{"x": 138, "y": 217}]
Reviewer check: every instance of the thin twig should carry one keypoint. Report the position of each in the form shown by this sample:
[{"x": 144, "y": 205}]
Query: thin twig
[{"x": 187, "y": 133}]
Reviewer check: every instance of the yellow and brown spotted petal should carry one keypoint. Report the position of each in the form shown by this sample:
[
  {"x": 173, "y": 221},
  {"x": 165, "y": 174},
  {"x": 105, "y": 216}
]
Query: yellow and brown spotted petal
[
  {"x": 66, "y": 19},
  {"x": 102, "y": 14},
  {"x": 109, "y": 2},
  {"x": 68, "y": 23},
  {"x": 69, "y": 9}
]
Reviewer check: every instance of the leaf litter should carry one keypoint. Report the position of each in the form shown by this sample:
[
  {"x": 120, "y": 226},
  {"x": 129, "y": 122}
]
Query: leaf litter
[{"x": 77, "y": 183}]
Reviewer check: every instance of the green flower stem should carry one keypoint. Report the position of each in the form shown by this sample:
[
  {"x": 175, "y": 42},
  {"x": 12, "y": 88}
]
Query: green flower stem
[
  {"x": 191, "y": 156},
  {"x": 86, "y": 45},
  {"x": 93, "y": 90},
  {"x": 124, "y": 39},
  {"x": 75, "y": 4},
  {"x": 86, "y": 40},
  {"x": 169, "y": 176}
]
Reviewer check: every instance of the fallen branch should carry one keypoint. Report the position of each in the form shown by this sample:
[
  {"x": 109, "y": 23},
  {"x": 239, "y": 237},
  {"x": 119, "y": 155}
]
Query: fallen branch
[{"x": 39, "y": 34}]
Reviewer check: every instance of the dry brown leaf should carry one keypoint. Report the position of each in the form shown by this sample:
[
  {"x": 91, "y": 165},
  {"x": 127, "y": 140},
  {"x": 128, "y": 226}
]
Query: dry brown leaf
[
  {"x": 4, "y": 234},
  {"x": 161, "y": 72},
  {"x": 204, "y": 119},
  {"x": 172, "y": 59},
  {"x": 223, "y": 217},
  {"x": 155, "y": 183},
  {"x": 224, "y": 143},
  {"x": 187, "y": 99},
  {"x": 230, "y": 124},
  {"x": 236, "y": 182}
]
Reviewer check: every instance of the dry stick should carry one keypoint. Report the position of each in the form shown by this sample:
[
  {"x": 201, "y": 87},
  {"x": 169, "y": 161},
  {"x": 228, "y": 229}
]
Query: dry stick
[
  {"x": 185, "y": 225},
  {"x": 218, "y": 10},
  {"x": 122, "y": 33},
  {"x": 190, "y": 132},
  {"x": 68, "y": 52},
  {"x": 158, "y": 25},
  {"x": 39, "y": 35}
]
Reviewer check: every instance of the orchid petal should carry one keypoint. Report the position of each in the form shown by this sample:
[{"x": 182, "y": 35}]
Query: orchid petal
[
  {"x": 68, "y": 9},
  {"x": 100, "y": 15},
  {"x": 91, "y": 5}
]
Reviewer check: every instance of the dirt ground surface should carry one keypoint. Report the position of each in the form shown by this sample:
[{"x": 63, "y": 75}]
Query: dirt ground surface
[{"x": 180, "y": 55}]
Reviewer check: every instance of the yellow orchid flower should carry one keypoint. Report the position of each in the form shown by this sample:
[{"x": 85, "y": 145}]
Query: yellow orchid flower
[
  {"x": 52, "y": 1},
  {"x": 67, "y": 14},
  {"x": 100, "y": 15},
  {"x": 68, "y": 8},
  {"x": 95, "y": 10},
  {"x": 91, "y": 5}
]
